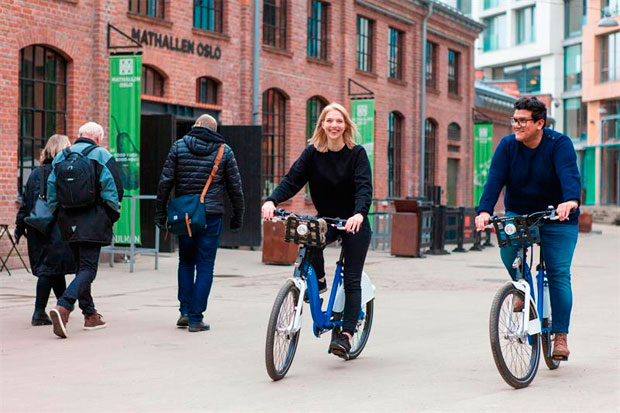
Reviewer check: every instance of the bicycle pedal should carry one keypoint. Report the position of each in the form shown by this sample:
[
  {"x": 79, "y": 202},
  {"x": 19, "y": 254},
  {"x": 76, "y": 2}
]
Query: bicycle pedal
[{"x": 560, "y": 358}]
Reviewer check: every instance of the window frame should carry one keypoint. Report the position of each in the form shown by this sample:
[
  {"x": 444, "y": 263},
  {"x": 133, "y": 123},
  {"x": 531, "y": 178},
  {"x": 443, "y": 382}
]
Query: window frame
[
  {"x": 395, "y": 53},
  {"x": 155, "y": 9},
  {"x": 317, "y": 40},
  {"x": 525, "y": 34},
  {"x": 394, "y": 155},
  {"x": 203, "y": 85},
  {"x": 454, "y": 58},
  {"x": 156, "y": 75},
  {"x": 430, "y": 144},
  {"x": 431, "y": 65},
  {"x": 365, "y": 44},
  {"x": 576, "y": 85},
  {"x": 275, "y": 32},
  {"x": 273, "y": 151},
  {"x": 30, "y": 111},
  {"x": 213, "y": 11},
  {"x": 610, "y": 67}
]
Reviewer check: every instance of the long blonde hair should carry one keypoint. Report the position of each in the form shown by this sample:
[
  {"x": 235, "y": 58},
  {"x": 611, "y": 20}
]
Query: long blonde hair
[
  {"x": 319, "y": 137},
  {"x": 55, "y": 144}
]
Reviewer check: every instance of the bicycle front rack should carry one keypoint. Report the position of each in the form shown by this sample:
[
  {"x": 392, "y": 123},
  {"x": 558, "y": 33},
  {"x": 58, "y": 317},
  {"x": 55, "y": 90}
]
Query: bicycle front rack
[{"x": 305, "y": 231}]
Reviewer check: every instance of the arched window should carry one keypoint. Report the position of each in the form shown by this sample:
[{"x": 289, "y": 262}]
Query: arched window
[
  {"x": 314, "y": 107},
  {"x": 395, "y": 133},
  {"x": 274, "y": 139},
  {"x": 152, "y": 81},
  {"x": 430, "y": 132},
  {"x": 454, "y": 132},
  {"x": 42, "y": 104},
  {"x": 207, "y": 90}
]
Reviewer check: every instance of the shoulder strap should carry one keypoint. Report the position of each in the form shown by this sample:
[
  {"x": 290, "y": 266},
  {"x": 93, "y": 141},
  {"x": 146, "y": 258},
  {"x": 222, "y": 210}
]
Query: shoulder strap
[
  {"x": 42, "y": 183},
  {"x": 88, "y": 149},
  {"x": 66, "y": 151},
  {"x": 216, "y": 165}
]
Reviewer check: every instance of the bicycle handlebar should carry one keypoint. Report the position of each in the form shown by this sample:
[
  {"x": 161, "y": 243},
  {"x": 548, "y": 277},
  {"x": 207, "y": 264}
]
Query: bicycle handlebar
[
  {"x": 337, "y": 223},
  {"x": 534, "y": 217}
]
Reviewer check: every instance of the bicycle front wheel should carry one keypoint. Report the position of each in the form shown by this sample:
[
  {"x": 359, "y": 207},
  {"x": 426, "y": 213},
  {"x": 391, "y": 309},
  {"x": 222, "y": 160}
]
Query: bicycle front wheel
[
  {"x": 516, "y": 357},
  {"x": 281, "y": 342}
]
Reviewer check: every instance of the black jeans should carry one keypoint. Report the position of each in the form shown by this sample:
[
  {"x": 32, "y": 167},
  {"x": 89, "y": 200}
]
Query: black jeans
[
  {"x": 87, "y": 258},
  {"x": 45, "y": 284},
  {"x": 355, "y": 248}
]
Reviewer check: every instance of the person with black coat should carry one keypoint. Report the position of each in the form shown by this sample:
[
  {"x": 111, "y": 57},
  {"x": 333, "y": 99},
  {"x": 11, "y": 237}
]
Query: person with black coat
[
  {"x": 187, "y": 169},
  {"x": 338, "y": 173},
  {"x": 50, "y": 257}
]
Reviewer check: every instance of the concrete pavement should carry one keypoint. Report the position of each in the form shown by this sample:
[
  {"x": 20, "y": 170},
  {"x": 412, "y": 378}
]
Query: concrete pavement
[{"x": 429, "y": 347}]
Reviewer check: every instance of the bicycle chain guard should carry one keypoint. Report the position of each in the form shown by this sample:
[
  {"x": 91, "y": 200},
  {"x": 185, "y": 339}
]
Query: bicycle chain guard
[{"x": 303, "y": 231}]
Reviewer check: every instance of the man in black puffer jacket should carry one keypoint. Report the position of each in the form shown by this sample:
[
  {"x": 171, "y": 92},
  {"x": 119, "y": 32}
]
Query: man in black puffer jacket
[{"x": 187, "y": 169}]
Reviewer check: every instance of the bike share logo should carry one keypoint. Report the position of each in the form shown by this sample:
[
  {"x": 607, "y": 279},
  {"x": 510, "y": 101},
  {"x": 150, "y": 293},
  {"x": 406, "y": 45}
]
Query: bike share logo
[
  {"x": 125, "y": 67},
  {"x": 362, "y": 111}
]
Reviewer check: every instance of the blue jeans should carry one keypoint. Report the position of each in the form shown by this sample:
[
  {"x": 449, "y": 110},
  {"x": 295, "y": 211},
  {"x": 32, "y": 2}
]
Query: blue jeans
[
  {"x": 87, "y": 258},
  {"x": 196, "y": 262},
  {"x": 558, "y": 246}
]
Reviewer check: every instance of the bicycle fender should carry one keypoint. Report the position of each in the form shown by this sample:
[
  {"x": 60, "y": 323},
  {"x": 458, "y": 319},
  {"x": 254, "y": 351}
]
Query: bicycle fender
[
  {"x": 368, "y": 293},
  {"x": 301, "y": 286},
  {"x": 534, "y": 324}
]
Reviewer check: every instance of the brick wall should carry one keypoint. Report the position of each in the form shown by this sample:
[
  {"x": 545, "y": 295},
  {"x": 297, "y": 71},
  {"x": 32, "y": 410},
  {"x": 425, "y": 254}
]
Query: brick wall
[{"x": 78, "y": 30}]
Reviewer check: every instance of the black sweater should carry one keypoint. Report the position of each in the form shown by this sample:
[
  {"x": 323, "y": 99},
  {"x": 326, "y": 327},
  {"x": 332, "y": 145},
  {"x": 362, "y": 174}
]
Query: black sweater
[{"x": 340, "y": 182}]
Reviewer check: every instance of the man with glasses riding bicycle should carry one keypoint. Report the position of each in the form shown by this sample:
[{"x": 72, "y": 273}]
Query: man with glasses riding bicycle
[{"x": 537, "y": 167}]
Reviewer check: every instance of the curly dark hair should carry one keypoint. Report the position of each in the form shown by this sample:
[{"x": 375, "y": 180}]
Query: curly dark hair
[{"x": 538, "y": 108}]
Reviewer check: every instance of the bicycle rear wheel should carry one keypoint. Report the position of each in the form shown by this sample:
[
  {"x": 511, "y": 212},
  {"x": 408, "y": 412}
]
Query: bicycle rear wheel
[
  {"x": 362, "y": 331},
  {"x": 551, "y": 363},
  {"x": 516, "y": 357},
  {"x": 281, "y": 344}
]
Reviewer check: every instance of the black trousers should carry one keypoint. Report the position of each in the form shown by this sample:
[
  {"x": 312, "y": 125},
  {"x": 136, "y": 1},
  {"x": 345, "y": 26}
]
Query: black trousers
[
  {"x": 45, "y": 285},
  {"x": 355, "y": 249},
  {"x": 87, "y": 258}
]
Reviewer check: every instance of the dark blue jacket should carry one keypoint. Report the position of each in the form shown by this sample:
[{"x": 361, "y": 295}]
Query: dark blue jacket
[{"x": 533, "y": 178}]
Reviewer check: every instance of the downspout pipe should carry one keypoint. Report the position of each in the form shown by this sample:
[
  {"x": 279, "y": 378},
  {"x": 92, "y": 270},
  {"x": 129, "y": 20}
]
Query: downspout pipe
[
  {"x": 423, "y": 99},
  {"x": 256, "y": 64}
]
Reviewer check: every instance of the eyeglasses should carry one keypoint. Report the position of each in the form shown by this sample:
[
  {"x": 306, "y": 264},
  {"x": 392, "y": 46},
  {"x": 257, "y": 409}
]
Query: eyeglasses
[{"x": 520, "y": 121}]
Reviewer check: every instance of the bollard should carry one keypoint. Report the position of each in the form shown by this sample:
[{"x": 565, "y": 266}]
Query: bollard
[
  {"x": 438, "y": 240},
  {"x": 460, "y": 232},
  {"x": 477, "y": 244},
  {"x": 488, "y": 243}
]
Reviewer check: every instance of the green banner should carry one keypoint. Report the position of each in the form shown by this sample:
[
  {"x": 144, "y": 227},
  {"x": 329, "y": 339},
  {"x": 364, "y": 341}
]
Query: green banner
[
  {"x": 125, "y": 90},
  {"x": 363, "y": 114},
  {"x": 483, "y": 151}
]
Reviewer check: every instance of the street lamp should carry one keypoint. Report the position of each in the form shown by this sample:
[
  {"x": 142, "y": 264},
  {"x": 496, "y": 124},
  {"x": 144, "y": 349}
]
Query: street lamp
[{"x": 608, "y": 21}]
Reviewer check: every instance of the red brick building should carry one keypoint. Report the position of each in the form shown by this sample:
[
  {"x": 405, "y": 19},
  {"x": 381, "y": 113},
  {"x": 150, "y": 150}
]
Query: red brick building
[{"x": 198, "y": 58}]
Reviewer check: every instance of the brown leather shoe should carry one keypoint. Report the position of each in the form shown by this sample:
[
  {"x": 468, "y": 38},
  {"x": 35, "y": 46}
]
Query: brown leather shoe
[
  {"x": 560, "y": 347},
  {"x": 94, "y": 321},
  {"x": 60, "y": 319}
]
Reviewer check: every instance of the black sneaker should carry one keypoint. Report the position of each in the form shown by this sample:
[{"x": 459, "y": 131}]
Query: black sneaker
[
  {"x": 40, "y": 318},
  {"x": 340, "y": 346},
  {"x": 194, "y": 328},
  {"x": 322, "y": 288},
  {"x": 183, "y": 321}
]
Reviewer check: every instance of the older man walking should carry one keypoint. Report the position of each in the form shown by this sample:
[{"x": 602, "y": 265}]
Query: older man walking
[
  {"x": 192, "y": 166},
  {"x": 85, "y": 190}
]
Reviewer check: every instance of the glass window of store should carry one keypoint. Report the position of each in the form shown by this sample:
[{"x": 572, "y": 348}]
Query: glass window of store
[
  {"x": 395, "y": 133},
  {"x": 527, "y": 76},
  {"x": 610, "y": 57},
  {"x": 274, "y": 140},
  {"x": 151, "y": 8},
  {"x": 526, "y": 28},
  {"x": 208, "y": 15},
  {"x": 493, "y": 36},
  {"x": 365, "y": 40},
  {"x": 275, "y": 23},
  {"x": 572, "y": 67},
  {"x": 317, "y": 29},
  {"x": 611, "y": 125},
  {"x": 42, "y": 105},
  {"x": 575, "y": 119},
  {"x": 395, "y": 52}
]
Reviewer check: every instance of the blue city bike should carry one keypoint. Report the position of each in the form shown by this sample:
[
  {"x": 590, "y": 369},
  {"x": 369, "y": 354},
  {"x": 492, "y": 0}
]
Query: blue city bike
[
  {"x": 520, "y": 320},
  {"x": 286, "y": 315}
]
